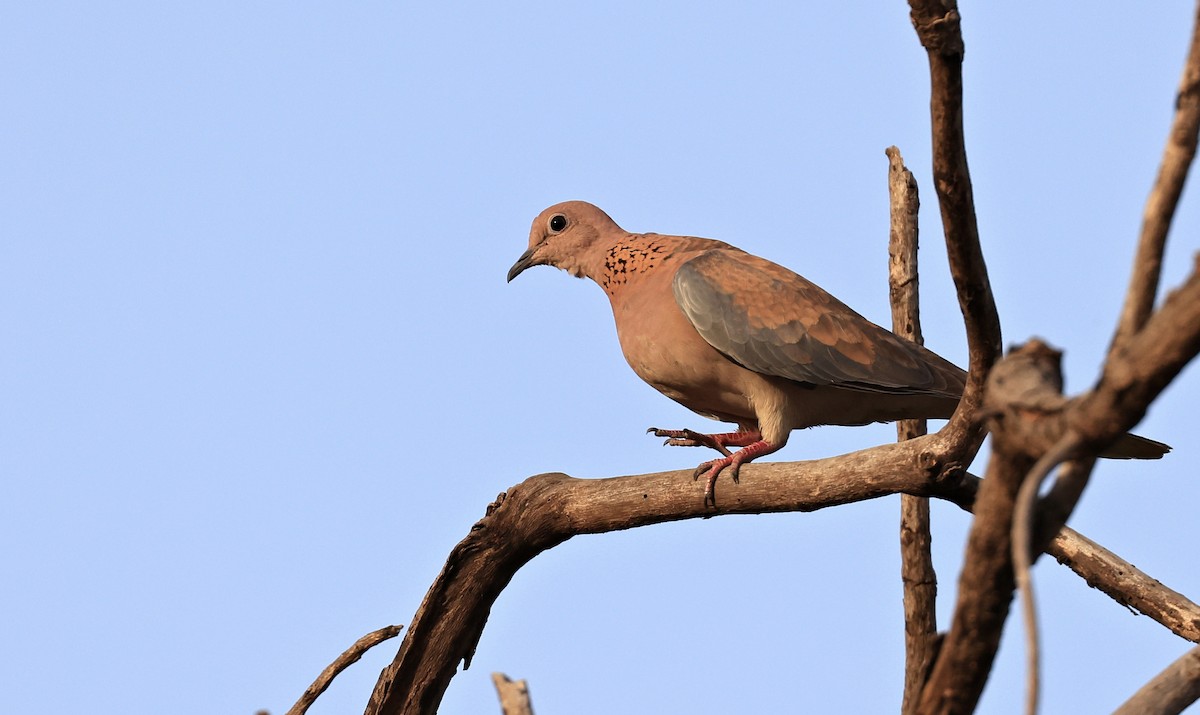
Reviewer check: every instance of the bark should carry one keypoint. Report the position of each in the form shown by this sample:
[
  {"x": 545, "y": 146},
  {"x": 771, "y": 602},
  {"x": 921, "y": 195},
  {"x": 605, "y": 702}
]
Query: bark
[{"x": 916, "y": 559}]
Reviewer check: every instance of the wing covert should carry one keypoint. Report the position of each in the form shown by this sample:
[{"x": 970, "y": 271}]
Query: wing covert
[{"x": 773, "y": 321}]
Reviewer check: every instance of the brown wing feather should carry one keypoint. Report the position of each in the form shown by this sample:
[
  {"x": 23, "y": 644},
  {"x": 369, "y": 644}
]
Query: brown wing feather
[{"x": 773, "y": 321}]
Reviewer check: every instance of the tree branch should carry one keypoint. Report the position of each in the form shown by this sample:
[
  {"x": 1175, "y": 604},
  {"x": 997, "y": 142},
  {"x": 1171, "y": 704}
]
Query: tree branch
[
  {"x": 1164, "y": 198},
  {"x": 1138, "y": 371},
  {"x": 546, "y": 510},
  {"x": 916, "y": 560},
  {"x": 985, "y": 585},
  {"x": 514, "y": 695},
  {"x": 343, "y": 661},
  {"x": 1126, "y": 584},
  {"x": 1170, "y": 692},
  {"x": 937, "y": 26}
]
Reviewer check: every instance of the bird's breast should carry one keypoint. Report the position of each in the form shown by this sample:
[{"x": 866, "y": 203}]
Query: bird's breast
[{"x": 664, "y": 349}]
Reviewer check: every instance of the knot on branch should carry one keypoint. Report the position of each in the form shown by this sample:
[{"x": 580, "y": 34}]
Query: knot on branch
[
  {"x": 1023, "y": 400},
  {"x": 939, "y": 26}
]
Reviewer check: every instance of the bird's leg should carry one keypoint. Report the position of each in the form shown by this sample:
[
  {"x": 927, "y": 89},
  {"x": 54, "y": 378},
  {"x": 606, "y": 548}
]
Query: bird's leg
[
  {"x": 719, "y": 442},
  {"x": 734, "y": 462}
]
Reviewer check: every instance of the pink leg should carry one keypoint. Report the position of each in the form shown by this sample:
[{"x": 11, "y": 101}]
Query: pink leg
[
  {"x": 719, "y": 442},
  {"x": 734, "y": 462}
]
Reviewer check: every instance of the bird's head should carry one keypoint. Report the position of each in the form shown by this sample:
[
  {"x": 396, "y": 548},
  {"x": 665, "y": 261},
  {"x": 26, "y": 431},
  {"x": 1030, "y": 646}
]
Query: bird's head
[{"x": 571, "y": 236}]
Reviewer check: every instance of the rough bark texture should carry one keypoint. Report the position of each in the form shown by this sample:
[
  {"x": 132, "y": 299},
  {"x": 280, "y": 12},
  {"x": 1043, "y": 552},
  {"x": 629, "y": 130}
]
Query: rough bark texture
[
  {"x": 916, "y": 559},
  {"x": 1126, "y": 584},
  {"x": 547, "y": 509}
]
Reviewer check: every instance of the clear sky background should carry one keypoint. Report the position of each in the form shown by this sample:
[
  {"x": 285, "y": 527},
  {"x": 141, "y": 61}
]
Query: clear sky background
[{"x": 261, "y": 370}]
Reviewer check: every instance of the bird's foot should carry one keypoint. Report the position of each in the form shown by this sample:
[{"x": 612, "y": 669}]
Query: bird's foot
[
  {"x": 719, "y": 442},
  {"x": 734, "y": 463}
]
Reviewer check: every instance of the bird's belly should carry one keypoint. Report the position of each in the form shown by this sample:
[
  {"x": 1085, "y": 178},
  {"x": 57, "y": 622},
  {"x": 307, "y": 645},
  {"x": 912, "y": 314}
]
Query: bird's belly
[{"x": 706, "y": 386}]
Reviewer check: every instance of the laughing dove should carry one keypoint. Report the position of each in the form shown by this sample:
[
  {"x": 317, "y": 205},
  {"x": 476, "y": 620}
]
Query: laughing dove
[{"x": 740, "y": 339}]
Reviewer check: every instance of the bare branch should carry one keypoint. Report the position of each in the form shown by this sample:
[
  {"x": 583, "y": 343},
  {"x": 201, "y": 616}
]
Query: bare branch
[
  {"x": 937, "y": 26},
  {"x": 916, "y": 560},
  {"x": 1105, "y": 571},
  {"x": 1164, "y": 198},
  {"x": 1170, "y": 692},
  {"x": 343, "y": 661},
  {"x": 1126, "y": 584},
  {"x": 1136, "y": 373},
  {"x": 548, "y": 509},
  {"x": 985, "y": 585},
  {"x": 514, "y": 695}
]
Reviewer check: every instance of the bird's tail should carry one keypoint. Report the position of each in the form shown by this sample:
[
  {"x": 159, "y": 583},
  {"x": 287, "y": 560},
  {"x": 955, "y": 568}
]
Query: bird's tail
[{"x": 1131, "y": 446}]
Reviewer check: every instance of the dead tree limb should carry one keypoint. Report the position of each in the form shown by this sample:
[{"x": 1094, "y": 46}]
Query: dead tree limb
[
  {"x": 916, "y": 559},
  {"x": 1125, "y": 583},
  {"x": 1170, "y": 692},
  {"x": 343, "y": 661},
  {"x": 985, "y": 584},
  {"x": 937, "y": 26},
  {"x": 513, "y": 694},
  {"x": 546, "y": 510}
]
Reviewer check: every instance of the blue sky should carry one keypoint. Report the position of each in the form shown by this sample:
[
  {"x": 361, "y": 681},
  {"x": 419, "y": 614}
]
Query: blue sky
[{"x": 261, "y": 370}]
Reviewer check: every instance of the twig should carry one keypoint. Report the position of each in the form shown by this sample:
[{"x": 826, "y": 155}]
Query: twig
[
  {"x": 1161, "y": 204},
  {"x": 916, "y": 561},
  {"x": 343, "y": 661},
  {"x": 1170, "y": 692}
]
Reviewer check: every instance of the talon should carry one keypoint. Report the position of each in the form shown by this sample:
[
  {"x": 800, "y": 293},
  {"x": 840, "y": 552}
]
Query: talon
[{"x": 710, "y": 491}]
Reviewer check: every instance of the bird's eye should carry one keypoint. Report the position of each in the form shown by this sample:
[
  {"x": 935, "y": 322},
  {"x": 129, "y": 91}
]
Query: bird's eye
[{"x": 558, "y": 222}]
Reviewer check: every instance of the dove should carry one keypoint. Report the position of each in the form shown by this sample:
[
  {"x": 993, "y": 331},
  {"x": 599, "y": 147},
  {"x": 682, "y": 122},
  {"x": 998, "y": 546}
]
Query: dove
[{"x": 739, "y": 339}]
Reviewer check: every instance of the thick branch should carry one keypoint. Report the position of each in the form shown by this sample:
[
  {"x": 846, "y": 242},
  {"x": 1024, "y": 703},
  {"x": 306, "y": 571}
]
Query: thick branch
[
  {"x": 985, "y": 589},
  {"x": 916, "y": 559},
  {"x": 1170, "y": 692},
  {"x": 1164, "y": 197},
  {"x": 1141, "y": 367},
  {"x": 546, "y": 510}
]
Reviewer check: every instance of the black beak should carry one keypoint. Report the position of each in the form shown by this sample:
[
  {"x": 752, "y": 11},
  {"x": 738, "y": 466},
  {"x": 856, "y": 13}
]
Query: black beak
[{"x": 525, "y": 261}]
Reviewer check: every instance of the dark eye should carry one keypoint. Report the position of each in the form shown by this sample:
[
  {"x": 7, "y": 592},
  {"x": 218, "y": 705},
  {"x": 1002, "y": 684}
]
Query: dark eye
[{"x": 558, "y": 222}]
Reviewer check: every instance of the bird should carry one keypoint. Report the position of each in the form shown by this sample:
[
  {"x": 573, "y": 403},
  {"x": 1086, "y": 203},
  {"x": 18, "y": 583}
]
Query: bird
[{"x": 740, "y": 339}]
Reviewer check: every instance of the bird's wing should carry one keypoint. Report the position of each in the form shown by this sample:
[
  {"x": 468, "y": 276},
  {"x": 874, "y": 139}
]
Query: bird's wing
[{"x": 772, "y": 321}]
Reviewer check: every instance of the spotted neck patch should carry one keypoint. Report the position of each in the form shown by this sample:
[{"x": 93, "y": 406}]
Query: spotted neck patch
[{"x": 632, "y": 255}]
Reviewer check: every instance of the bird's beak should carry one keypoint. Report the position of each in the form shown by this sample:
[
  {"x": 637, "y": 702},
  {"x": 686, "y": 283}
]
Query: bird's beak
[{"x": 525, "y": 261}]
